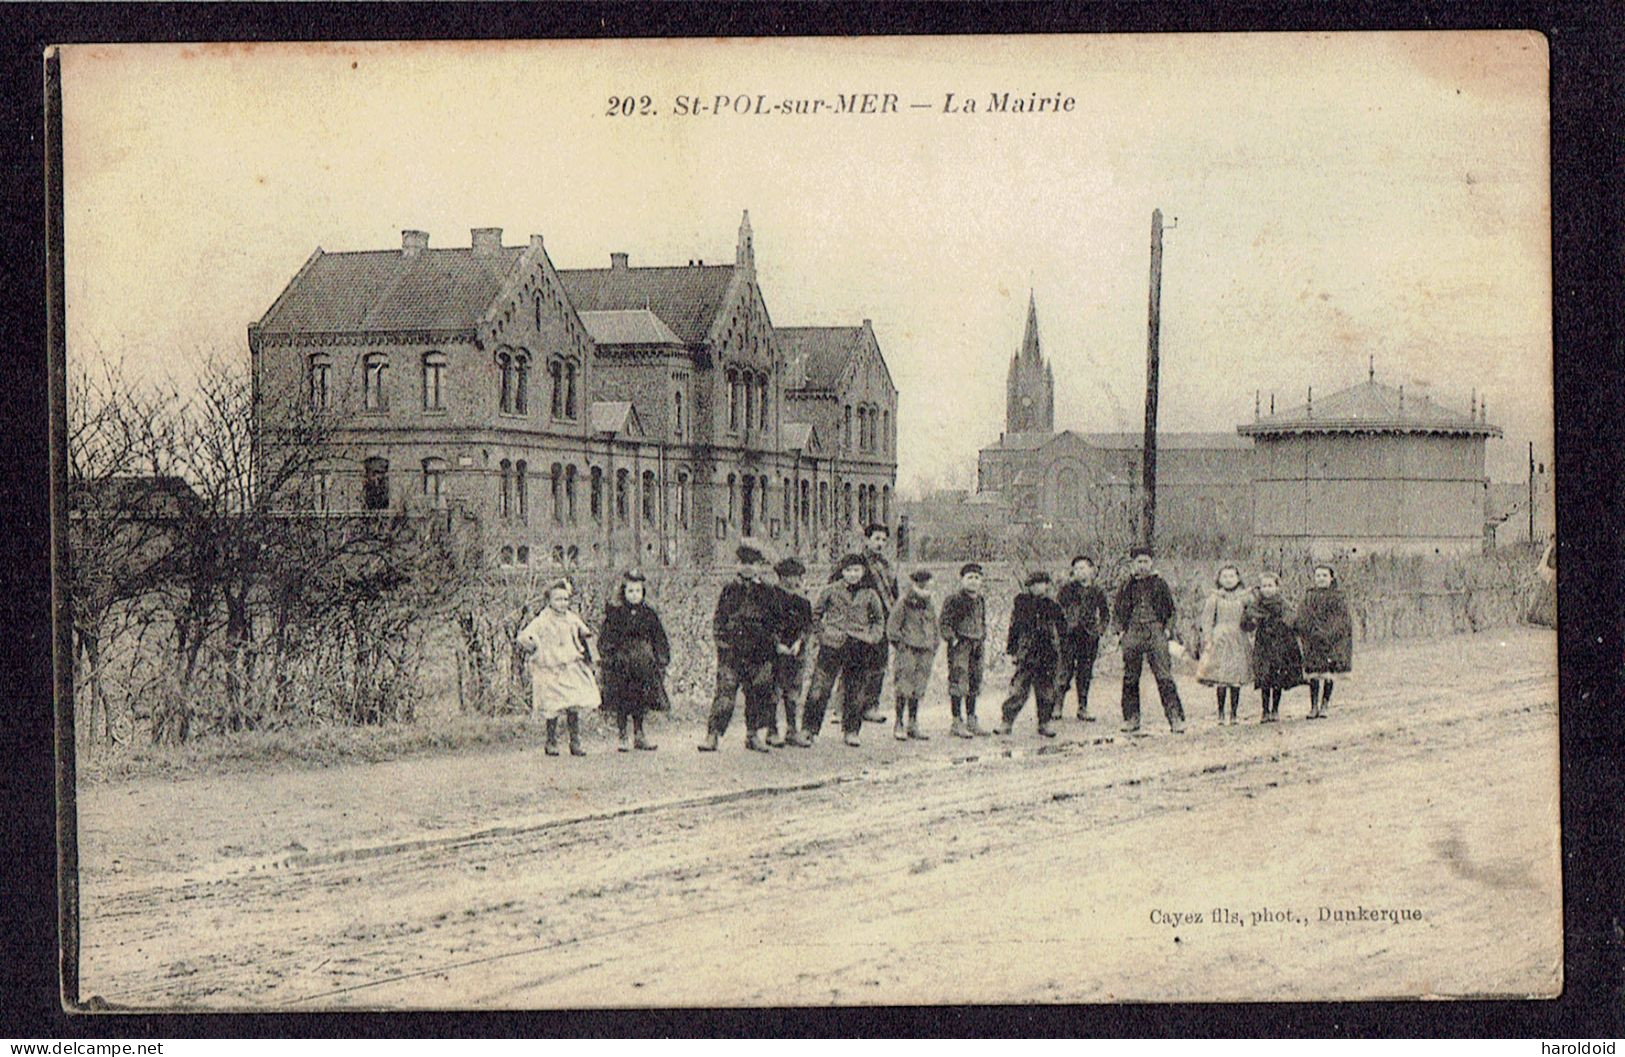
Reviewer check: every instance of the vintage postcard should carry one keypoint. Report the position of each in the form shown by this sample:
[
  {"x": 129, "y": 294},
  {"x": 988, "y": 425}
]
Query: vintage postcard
[{"x": 805, "y": 522}]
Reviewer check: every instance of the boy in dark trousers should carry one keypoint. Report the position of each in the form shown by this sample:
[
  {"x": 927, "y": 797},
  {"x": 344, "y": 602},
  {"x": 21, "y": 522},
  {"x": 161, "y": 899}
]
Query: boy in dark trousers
[
  {"x": 1143, "y": 613},
  {"x": 1087, "y": 616},
  {"x": 1034, "y": 644},
  {"x": 746, "y": 616},
  {"x": 964, "y": 627},
  {"x": 912, "y": 631},
  {"x": 795, "y": 641},
  {"x": 850, "y": 622}
]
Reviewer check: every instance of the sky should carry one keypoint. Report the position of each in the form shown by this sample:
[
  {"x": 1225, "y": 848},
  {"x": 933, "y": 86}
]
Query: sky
[{"x": 1340, "y": 198}]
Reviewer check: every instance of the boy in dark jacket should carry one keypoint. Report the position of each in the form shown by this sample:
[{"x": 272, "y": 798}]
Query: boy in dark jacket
[
  {"x": 964, "y": 627},
  {"x": 850, "y": 622},
  {"x": 794, "y": 643},
  {"x": 747, "y": 613},
  {"x": 1034, "y": 644},
  {"x": 1087, "y": 616},
  {"x": 1144, "y": 610},
  {"x": 912, "y": 631}
]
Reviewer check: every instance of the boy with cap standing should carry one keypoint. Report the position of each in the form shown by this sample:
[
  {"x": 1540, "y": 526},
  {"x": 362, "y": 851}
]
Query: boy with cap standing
[
  {"x": 964, "y": 626},
  {"x": 746, "y": 616},
  {"x": 879, "y": 577},
  {"x": 912, "y": 631},
  {"x": 1143, "y": 612},
  {"x": 1034, "y": 644},
  {"x": 794, "y": 641},
  {"x": 1087, "y": 616},
  {"x": 851, "y": 622}
]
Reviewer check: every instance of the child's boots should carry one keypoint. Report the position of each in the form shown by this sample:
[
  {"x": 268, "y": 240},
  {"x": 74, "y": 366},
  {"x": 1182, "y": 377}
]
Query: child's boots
[
  {"x": 639, "y": 740},
  {"x": 552, "y": 747},
  {"x": 574, "y": 720}
]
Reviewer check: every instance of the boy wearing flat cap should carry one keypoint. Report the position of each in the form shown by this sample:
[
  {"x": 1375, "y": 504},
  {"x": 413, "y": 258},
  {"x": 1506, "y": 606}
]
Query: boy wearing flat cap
[
  {"x": 1037, "y": 627},
  {"x": 964, "y": 627},
  {"x": 743, "y": 627}
]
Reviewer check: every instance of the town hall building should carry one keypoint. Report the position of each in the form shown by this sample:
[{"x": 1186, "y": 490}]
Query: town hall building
[{"x": 619, "y": 415}]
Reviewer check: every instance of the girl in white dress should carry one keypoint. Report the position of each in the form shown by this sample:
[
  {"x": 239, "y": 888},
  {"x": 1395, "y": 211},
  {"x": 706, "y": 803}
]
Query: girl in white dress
[{"x": 560, "y": 645}]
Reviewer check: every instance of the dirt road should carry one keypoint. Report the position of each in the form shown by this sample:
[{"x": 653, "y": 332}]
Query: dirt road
[{"x": 1084, "y": 870}]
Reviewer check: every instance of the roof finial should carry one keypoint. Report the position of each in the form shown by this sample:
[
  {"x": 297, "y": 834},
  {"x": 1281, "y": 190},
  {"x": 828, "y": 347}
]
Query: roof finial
[
  {"x": 745, "y": 255},
  {"x": 1371, "y": 368}
]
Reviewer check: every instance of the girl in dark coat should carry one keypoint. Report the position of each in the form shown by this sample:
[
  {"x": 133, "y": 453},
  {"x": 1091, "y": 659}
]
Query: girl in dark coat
[
  {"x": 635, "y": 655},
  {"x": 1328, "y": 638},
  {"x": 1277, "y": 662}
]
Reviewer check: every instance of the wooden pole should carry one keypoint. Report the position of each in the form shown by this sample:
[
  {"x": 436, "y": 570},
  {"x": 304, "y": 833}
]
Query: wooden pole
[
  {"x": 1148, "y": 518},
  {"x": 1531, "y": 492}
]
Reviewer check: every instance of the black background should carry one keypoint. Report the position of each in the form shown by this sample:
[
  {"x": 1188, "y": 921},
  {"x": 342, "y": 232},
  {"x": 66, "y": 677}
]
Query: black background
[{"x": 1588, "y": 140}]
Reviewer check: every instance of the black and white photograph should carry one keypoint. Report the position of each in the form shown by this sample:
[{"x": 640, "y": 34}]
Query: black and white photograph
[{"x": 807, "y": 522}]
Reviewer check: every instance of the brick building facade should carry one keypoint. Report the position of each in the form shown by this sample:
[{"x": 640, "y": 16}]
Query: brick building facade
[{"x": 623, "y": 415}]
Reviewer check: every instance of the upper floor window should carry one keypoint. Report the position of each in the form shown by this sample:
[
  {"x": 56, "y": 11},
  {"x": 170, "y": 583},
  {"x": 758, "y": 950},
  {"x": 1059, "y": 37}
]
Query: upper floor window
[
  {"x": 761, "y": 401},
  {"x": 570, "y": 493},
  {"x": 434, "y": 374},
  {"x": 885, "y": 431},
  {"x": 623, "y": 488},
  {"x": 682, "y": 500},
  {"x": 505, "y": 506},
  {"x": 571, "y": 371},
  {"x": 595, "y": 494},
  {"x": 521, "y": 489},
  {"x": 677, "y": 414},
  {"x": 505, "y": 383},
  {"x": 321, "y": 381},
  {"x": 375, "y": 389},
  {"x": 557, "y": 480},
  {"x": 434, "y": 480},
  {"x": 649, "y": 497},
  {"x": 375, "y": 484},
  {"x": 749, "y": 382},
  {"x": 538, "y": 310},
  {"x": 521, "y": 384},
  {"x": 846, "y": 428},
  {"x": 733, "y": 401}
]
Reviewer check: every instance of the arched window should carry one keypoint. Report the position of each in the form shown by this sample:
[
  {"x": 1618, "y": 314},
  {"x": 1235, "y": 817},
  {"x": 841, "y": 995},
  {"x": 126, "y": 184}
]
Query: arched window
[
  {"x": 789, "y": 503},
  {"x": 434, "y": 481},
  {"x": 806, "y": 502},
  {"x": 505, "y": 506},
  {"x": 505, "y": 383},
  {"x": 885, "y": 431},
  {"x": 682, "y": 500},
  {"x": 522, "y": 555},
  {"x": 761, "y": 401},
  {"x": 622, "y": 498},
  {"x": 556, "y": 479},
  {"x": 375, "y": 484},
  {"x": 434, "y": 373},
  {"x": 823, "y": 503},
  {"x": 375, "y": 390},
  {"x": 507, "y": 556},
  {"x": 733, "y": 401},
  {"x": 538, "y": 310},
  {"x": 733, "y": 500},
  {"x": 521, "y": 383},
  {"x": 555, "y": 381},
  {"x": 863, "y": 505},
  {"x": 846, "y": 503},
  {"x": 677, "y": 414},
  {"x": 649, "y": 497},
  {"x": 750, "y": 399},
  {"x": 570, "y": 492},
  {"x": 846, "y": 429},
  {"x": 321, "y": 381},
  {"x": 885, "y": 504},
  {"x": 595, "y": 493},
  {"x": 571, "y": 370},
  {"x": 747, "y": 505},
  {"x": 521, "y": 490}
]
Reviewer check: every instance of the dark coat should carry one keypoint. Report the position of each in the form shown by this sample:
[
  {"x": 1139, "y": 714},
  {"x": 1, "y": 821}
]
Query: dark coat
[
  {"x": 745, "y": 622},
  {"x": 1327, "y": 631},
  {"x": 964, "y": 617},
  {"x": 795, "y": 623},
  {"x": 1162, "y": 599},
  {"x": 635, "y": 655},
  {"x": 1087, "y": 614},
  {"x": 1036, "y": 628},
  {"x": 1277, "y": 662}
]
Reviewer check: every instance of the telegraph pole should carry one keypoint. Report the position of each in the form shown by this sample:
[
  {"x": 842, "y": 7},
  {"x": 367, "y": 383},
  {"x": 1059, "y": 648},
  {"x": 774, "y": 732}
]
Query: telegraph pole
[
  {"x": 1531, "y": 493},
  {"x": 1148, "y": 517}
]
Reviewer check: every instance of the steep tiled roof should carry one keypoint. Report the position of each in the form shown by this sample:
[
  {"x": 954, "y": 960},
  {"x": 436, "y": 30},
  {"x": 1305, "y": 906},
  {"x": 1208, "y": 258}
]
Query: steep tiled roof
[
  {"x": 815, "y": 357},
  {"x": 1370, "y": 407},
  {"x": 445, "y": 289},
  {"x": 686, "y": 299},
  {"x": 627, "y": 327}
]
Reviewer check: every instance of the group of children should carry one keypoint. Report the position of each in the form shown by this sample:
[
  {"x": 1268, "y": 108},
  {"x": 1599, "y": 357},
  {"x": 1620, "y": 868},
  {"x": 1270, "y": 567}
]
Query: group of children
[{"x": 772, "y": 641}]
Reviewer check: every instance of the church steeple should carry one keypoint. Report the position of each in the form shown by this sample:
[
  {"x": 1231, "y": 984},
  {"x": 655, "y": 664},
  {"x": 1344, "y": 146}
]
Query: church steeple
[{"x": 1030, "y": 390}]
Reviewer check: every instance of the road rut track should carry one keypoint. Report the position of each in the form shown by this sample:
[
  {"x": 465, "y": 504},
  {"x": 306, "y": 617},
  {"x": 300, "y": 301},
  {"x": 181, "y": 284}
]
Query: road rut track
[{"x": 566, "y": 883}]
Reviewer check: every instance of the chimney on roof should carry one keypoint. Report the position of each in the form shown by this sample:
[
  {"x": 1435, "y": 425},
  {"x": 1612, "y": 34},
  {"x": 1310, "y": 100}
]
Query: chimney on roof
[
  {"x": 487, "y": 242},
  {"x": 414, "y": 243},
  {"x": 617, "y": 262}
]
